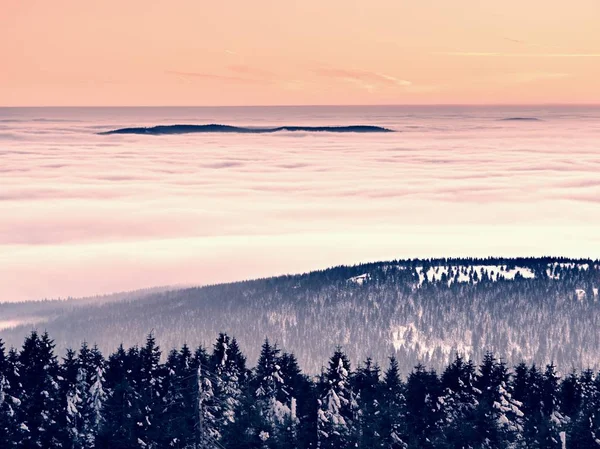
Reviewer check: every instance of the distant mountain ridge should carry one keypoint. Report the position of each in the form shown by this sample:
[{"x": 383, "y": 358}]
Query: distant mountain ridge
[
  {"x": 216, "y": 128},
  {"x": 531, "y": 309}
]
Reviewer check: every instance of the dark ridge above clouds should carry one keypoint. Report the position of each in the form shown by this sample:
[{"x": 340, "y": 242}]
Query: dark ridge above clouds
[
  {"x": 215, "y": 128},
  {"x": 521, "y": 119}
]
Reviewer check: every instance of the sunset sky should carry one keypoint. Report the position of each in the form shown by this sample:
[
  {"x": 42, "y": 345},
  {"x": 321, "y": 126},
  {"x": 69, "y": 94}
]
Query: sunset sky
[{"x": 191, "y": 52}]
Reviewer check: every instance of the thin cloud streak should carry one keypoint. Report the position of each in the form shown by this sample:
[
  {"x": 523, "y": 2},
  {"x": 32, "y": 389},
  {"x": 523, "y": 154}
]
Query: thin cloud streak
[
  {"x": 518, "y": 55},
  {"x": 366, "y": 79},
  {"x": 216, "y": 77}
]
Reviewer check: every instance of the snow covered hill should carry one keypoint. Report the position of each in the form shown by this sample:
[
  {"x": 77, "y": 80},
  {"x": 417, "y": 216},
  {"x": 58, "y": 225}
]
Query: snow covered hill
[{"x": 536, "y": 310}]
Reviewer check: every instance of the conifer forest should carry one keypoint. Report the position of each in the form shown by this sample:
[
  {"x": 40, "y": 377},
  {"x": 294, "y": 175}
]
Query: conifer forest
[{"x": 209, "y": 397}]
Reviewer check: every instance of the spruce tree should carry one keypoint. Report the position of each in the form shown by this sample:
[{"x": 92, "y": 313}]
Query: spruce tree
[
  {"x": 393, "y": 429},
  {"x": 584, "y": 429},
  {"x": 337, "y": 405},
  {"x": 151, "y": 394},
  {"x": 94, "y": 369},
  {"x": 71, "y": 420},
  {"x": 498, "y": 418},
  {"x": 121, "y": 412},
  {"x": 229, "y": 367},
  {"x": 368, "y": 423},
  {"x": 38, "y": 414},
  {"x": 8, "y": 401},
  {"x": 422, "y": 407},
  {"x": 458, "y": 402}
]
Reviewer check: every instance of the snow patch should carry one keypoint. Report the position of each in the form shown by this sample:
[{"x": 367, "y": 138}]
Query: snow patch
[
  {"x": 361, "y": 279},
  {"x": 472, "y": 273},
  {"x": 409, "y": 337}
]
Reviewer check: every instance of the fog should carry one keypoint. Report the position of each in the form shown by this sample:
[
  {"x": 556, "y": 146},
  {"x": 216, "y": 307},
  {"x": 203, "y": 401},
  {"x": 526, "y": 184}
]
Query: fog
[{"x": 82, "y": 213}]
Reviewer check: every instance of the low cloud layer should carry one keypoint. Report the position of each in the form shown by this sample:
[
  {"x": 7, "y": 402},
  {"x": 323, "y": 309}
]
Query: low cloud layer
[{"x": 83, "y": 214}]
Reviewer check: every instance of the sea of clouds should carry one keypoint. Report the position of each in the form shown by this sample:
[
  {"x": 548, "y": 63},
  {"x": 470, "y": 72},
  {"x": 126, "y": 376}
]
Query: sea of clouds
[{"x": 82, "y": 213}]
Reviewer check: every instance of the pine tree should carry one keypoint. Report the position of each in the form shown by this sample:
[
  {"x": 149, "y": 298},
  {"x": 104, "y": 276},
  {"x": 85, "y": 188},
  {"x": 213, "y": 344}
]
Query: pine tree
[
  {"x": 229, "y": 367},
  {"x": 70, "y": 396},
  {"x": 121, "y": 411},
  {"x": 8, "y": 402},
  {"x": 37, "y": 416},
  {"x": 554, "y": 420},
  {"x": 458, "y": 402},
  {"x": 536, "y": 391},
  {"x": 248, "y": 430},
  {"x": 287, "y": 403},
  {"x": 179, "y": 418},
  {"x": 97, "y": 395},
  {"x": 83, "y": 396},
  {"x": 209, "y": 406},
  {"x": 393, "y": 432},
  {"x": 274, "y": 399},
  {"x": 13, "y": 396},
  {"x": 337, "y": 406},
  {"x": 584, "y": 430},
  {"x": 422, "y": 407},
  {"x": 368, "y": 424},
  {"x": 498, "y": 418},
  {"x": 151, "y": 393},
  {"x": 570, "y": 396}
]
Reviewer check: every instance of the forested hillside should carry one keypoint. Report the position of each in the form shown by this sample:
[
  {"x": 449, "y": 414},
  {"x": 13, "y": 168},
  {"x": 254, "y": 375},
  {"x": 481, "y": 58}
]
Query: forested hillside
[
  {"x": 538, "y": 310},
  {"x": 206, "y": 397}
]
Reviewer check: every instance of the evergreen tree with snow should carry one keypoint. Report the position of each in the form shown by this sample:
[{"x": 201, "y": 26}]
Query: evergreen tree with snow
[
  {"x": 274, "y": 400},
  {"x": 297, "y": 403},
  {"x": 37, "y": 416},
  {"x": 570, "y": 396},
  {"x": 422, "y": 407},
  {"x": 554, "y": 419},
  {"x": 8, "y": 402},
  {"x": 179, "y": 416},
  {"x": 121, "y": 411},
  {"x": 457, "y": 402},
  {"x": 393, "y": 429},
  {"x": 83, "y": 395},
  {"x": 71, "y": 419},
  {"x": 498, "y": 418},
  {"x": 230, "y": 377},
  {"x": 366, "y": 383},
  {"x": 94, "y": 368},
  {"x": 151, "y": 393},
  {"x": 337, "y": 405},
  {"x": 209, "y": 405},
  {"x": 248, "y": 430},
  {"x": 536, "y": 391},
  {"x": 584, "y": 428}
]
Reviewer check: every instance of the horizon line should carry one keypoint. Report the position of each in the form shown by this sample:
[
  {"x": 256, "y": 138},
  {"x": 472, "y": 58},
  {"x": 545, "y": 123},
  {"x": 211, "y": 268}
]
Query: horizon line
[{"x": 549, "y": 104}]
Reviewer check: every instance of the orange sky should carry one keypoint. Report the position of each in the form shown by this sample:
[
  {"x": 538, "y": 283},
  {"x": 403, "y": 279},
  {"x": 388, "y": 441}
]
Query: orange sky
[{"x": 241, "y": 52}]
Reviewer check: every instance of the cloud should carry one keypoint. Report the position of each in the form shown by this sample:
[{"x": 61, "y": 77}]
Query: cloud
[
  {"x": 216, "y": 77},
  {"x": 365, "y": 79},
  {"x": 65, "y": 193},
  {"x": 518, "y": 55},
  {"x": 241, "y": 73},
  {"x": 516, "y": 41},
  {"x": 250, "y": 71},
  {"x": 531, "y": 77}
]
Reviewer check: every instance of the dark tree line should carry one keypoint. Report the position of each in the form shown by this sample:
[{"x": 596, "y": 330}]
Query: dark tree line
[{"x": 209, "y": 398}]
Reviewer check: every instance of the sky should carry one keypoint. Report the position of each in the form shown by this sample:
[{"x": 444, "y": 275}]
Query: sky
[{"x": 267, "y": 52}]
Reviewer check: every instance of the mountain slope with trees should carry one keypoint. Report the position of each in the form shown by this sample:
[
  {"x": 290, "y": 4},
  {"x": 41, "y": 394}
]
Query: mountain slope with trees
[{"x": 538, "y": 310}]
